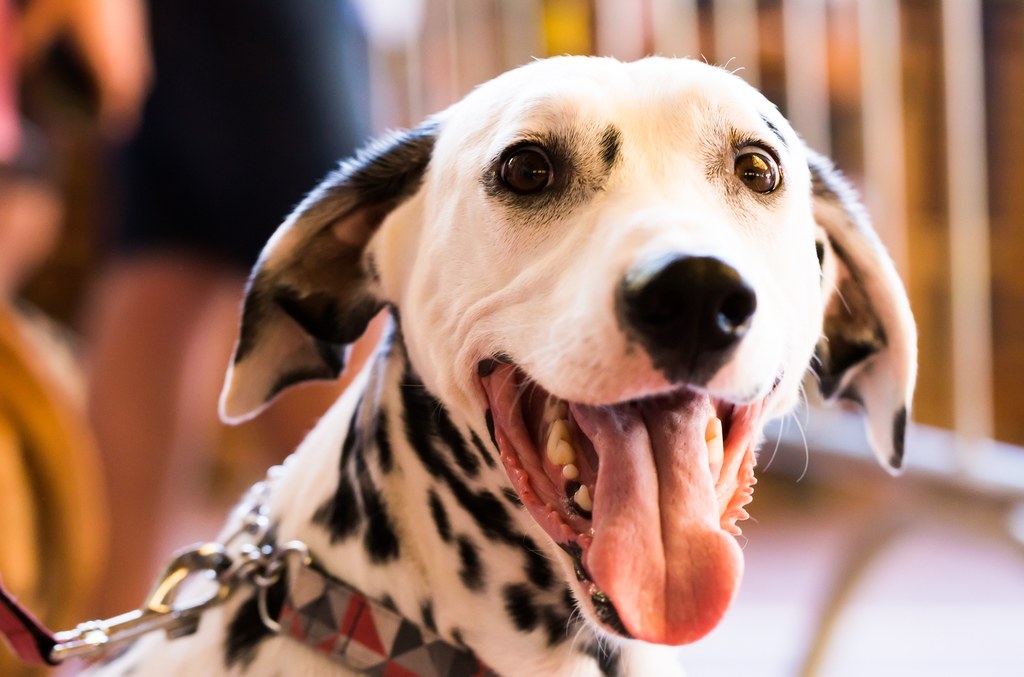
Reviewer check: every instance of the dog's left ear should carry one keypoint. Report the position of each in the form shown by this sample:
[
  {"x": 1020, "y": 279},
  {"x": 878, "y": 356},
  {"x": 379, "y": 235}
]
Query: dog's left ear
[
  {"x": 313, "y": 290},
  {"x": 868, "y": 351}
]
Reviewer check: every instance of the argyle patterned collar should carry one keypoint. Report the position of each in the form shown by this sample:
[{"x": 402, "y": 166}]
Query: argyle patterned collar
[{"x": 340, "y": 622}]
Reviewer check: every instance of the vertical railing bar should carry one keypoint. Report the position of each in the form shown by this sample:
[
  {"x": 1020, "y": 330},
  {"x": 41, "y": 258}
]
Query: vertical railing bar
[
  {"x": 970, "y": 266},
  {"x": 676, "y": 32},
  {"x": 454, "y": 79},
  {"x": 885, "y": 181},
  {"x": 736, "y": 38},
  {"x": 805, "y": 27},
  {"x": 415, "y": 94},
  {"x": 520, "y": 20}
]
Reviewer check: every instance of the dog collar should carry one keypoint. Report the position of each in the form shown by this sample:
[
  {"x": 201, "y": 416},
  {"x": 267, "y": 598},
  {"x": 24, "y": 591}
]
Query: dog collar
[{"x": 335, "y": 619}]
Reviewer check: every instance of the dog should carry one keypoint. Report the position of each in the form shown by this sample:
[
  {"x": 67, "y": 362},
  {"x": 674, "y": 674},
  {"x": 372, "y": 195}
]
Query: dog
[{"x": 603, "y": 279}]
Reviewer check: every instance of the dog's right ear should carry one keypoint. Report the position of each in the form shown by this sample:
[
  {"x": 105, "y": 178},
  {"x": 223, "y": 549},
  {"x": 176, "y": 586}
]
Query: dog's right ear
[{"x": 313, "y": 291}]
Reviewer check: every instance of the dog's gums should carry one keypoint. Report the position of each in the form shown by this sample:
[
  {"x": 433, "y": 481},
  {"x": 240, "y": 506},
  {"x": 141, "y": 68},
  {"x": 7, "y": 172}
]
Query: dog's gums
[{"x": 643, "y": 495}]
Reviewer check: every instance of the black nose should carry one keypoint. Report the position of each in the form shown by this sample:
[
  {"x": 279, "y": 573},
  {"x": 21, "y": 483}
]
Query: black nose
[{"x": 688, "y": 312}]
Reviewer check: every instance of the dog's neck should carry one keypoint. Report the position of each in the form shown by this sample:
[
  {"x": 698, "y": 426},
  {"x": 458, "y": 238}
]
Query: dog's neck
[{"x": 412, "y": 507}]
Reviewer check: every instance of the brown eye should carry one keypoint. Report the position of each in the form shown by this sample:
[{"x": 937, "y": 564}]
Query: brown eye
[
  {"x": 757, "y": 170},
  {"x": 527, "y": 170}
]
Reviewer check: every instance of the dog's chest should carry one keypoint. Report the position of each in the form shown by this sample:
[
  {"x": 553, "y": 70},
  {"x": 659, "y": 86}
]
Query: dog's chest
[{"x": 410, "y": 506}]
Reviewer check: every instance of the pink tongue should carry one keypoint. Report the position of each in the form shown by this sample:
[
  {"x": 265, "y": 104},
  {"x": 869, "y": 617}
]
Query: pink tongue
[{"x": 659, "y": 552}]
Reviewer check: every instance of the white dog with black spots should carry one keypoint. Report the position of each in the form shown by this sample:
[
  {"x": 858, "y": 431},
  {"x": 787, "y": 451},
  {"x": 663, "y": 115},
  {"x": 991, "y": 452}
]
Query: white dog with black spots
[{"x": 603, "y": 279}]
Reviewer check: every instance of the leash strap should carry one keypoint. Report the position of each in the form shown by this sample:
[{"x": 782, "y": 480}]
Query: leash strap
[
  {"x": 340, "y": 622},
  {"x": 30, "y": 640}
]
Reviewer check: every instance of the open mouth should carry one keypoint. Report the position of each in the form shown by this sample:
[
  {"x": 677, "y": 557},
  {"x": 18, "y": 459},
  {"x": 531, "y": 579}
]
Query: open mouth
[{"x": 643, "y": 495}]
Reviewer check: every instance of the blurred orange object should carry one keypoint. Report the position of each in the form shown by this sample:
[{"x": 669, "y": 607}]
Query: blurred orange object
[{"x": 51, "y": 504}]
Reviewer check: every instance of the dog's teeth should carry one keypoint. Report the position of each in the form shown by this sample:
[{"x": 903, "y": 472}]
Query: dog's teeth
[
  {"x": 570, "y": 472},
  {"x": 583, "y": 499},
  {"x": 559, "y": 447},
  {"x": 716, "y": 445}
]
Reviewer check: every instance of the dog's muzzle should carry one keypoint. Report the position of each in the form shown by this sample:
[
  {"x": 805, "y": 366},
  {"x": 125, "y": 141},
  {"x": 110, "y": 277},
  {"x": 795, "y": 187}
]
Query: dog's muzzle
[{"x": 688, "y": 312}]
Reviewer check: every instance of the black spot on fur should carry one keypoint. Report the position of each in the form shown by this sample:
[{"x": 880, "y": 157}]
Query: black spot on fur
[
  {"x": 489, "y": 513},
  {"x": 775, "y": 131},
  {"x": 607, "y": 658},
  {"x": 457, "y": 638},
  {"x": 421, "y": 429},
  {"x": 467, "y": 461},
  {"x": 380, "y": 540},
  {"x": 340, "y": 514},
  {"x": 418, "y": 417},
  {"x": 427, "y": 611},
  {"x": 440, "y": 515},
  {"x": 388, "y": 603},
  {"x": 611, "y": 142},
  {"x": 538, "y": 569},
  {"x": 471, "y": 571},
  {"x": 482, "y": 450},
  {"x": 899, "y": 433},
  {"x": 383, "y": 442},
  {"x": 246, "y": 629},
  {"x": 556, "y": 624},
  {"x": 819, "y": 248},
  {"x": 520, "y": 607}
]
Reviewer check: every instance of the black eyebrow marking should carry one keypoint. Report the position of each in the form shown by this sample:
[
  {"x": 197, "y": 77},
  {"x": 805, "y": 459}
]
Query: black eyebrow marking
[
  {"x": 611, "y": 143},
  {"x": 775, "y": 131}
]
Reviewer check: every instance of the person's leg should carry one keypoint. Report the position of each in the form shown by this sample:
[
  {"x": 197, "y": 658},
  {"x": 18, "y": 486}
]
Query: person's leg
[{"x": 145, "y": 311}]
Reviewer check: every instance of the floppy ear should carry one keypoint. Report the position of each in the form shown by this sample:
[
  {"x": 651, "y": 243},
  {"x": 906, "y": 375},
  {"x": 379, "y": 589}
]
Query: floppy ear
[
  {"x": 313, "y": 290},
  {"x": 868, "y": 351}
]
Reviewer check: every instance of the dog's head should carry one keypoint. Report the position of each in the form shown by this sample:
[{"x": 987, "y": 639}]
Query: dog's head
[{"x": 622, "y": 271}]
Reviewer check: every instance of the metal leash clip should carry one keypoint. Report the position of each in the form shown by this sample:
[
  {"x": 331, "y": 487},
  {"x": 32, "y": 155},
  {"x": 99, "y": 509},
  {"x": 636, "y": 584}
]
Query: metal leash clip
[{"x": 161, "y": 610}]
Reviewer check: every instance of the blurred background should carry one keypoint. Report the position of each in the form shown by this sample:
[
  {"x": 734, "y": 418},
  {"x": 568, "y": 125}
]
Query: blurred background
[{"x": 147, "y": 151}]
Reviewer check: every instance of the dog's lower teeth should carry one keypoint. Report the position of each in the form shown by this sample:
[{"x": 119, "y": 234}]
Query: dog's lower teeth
[
  {"x": 570, "y": 472},
  {"x": 583, "y": 499}
]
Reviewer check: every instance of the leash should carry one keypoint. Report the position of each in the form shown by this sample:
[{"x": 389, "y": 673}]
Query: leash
[{"x": 318, "y": 610}]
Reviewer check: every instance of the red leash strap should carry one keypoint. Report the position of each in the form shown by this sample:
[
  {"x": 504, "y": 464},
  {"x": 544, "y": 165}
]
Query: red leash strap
[{"x": 28, "y": 638}]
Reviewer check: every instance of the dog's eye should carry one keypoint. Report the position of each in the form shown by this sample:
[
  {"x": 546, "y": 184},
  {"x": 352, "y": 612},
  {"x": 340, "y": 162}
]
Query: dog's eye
[
  {"x": 757, "y": 170},
  {"x": 527, "y": 170}
]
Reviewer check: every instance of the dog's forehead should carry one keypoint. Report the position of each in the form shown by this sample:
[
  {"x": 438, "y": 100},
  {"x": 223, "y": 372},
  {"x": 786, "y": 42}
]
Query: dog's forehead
[{"x": 649, "y": 96}]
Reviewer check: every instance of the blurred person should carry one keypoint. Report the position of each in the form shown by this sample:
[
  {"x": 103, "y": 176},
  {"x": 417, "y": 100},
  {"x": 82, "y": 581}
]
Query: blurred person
[
  {"x": 252, "y": 103},
  {"x": 51, "y": 500}
]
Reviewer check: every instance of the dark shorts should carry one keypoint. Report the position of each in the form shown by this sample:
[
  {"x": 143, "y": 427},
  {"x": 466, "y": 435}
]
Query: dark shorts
[{"x": 254, "y": 102}]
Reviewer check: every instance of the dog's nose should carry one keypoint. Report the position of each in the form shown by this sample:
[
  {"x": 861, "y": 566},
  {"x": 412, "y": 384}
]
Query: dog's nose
[{"x": 689, "y": 312}]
